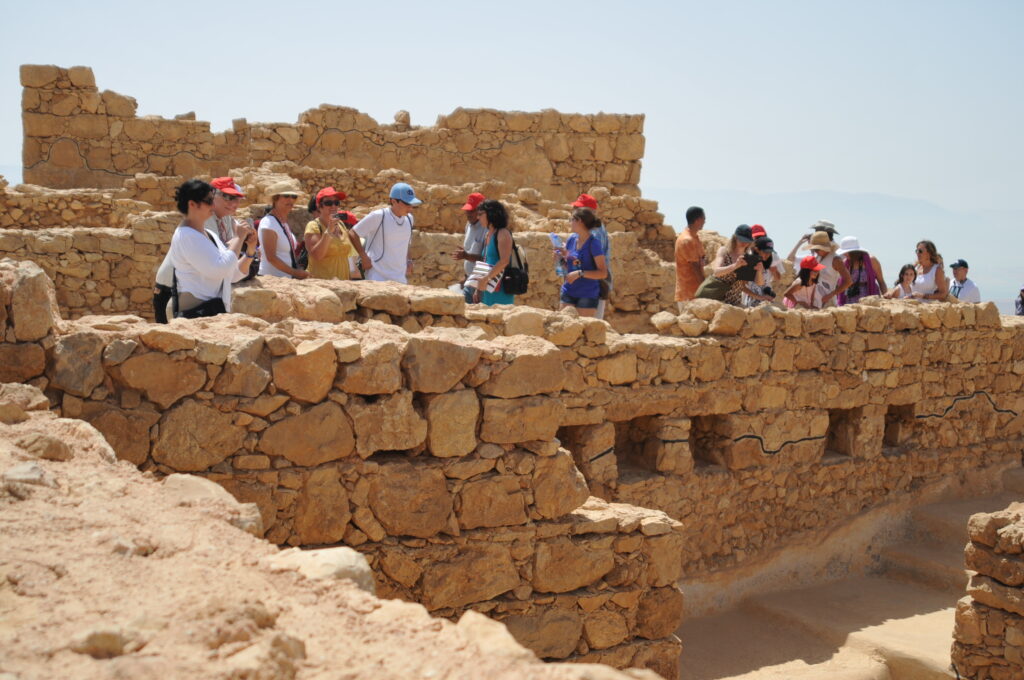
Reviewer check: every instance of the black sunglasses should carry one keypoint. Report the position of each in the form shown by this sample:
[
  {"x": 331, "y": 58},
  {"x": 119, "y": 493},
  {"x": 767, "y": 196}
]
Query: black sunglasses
[
  {"x": 208, "y": 200},
  {"x": 329, "y": 202}
]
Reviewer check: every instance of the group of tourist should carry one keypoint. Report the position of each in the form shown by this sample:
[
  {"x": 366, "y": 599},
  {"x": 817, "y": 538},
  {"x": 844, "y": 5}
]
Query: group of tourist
[
  {"x": 830, "y": 274},
  {"x": 211, "y": 249}
]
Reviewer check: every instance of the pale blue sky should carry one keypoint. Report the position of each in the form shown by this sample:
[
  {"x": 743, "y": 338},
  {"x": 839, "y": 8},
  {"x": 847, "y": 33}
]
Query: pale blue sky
[{"x": 917, "y": 100}]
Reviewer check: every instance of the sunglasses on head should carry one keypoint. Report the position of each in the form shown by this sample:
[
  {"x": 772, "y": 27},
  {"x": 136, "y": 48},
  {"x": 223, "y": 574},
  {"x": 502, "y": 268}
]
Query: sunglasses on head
[{"x": 330, "y": 202}]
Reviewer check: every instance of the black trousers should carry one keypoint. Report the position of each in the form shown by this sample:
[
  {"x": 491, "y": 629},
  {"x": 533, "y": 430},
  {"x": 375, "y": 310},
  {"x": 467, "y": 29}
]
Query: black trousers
[{"x": 161, "y": 296}]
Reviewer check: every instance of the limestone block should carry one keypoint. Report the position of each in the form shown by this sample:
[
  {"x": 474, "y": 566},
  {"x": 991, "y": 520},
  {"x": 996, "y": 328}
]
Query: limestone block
[
  {"x": 33, "y": 305},
  {"x": 391, "y": 423},
  {"x": 508, "y": 421},
  {"x": 88, "y": 126},
  {"x": 410, "y": 500},
  {"x": 558, "y": 486},
  {"x": 127, "y": 431},
  {"x": 325, "y": 563},
  {"x": 377, "y": 371},
  {"x": 167, "y": 340},
  {"x": 33, "y": 75},
  {"x": 492, "y": 502},
  {"x": 1007, "y": 569},
  {"x": 383, "y": 297},
  {"x": 81, "y": 76},
  {"x": 660, "y": 612},
  {"x": 322, "y": 509},
  {"x": 164, "y": 380},
  {"x": 619, "y": 369},
  {"x": 451, "y": 423},
  {"x": 28, "y": 397},
  {"x": 605, "y": 628},
  {"x": 664, "y": 556},
  {"x": 308, "y": 374},
  {"x": 994, "y": 594},
  {"x": 550, "y": 632},
  {"x": 435, "y": 363},
  {"x": 475, "y": 574},
  {"x": 728, "y": 320},
  {"x": 194, "y": 437},
  {"x": 21, "y": 362},
  {"x": 563, "y": 564},
  {"x": 75, "y": 363},
  {"x": 400, "y": 568},
  {"x": 629, "y": 147},
  {"x": 245, "y": 372},
  {"x": 535, "y": 367},
  {"x": 313, "y": 437}
]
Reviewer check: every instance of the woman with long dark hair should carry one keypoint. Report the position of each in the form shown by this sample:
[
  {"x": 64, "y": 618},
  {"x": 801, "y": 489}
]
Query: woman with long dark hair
[
  {"x": 497, "y": 253},
  {"x": 727, "y": 282},
  {"x": 204, "y": 266},
  {"x": 866, "y": 277},
  {"x": 585, "y": 264}
]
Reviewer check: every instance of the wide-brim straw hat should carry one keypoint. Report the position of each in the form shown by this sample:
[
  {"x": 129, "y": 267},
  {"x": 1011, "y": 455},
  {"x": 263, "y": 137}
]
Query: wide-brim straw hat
[
  {"x": 849, "y": 244},
  {"x": 820, "y": 241},
  {"x": 285, "y": 186}
]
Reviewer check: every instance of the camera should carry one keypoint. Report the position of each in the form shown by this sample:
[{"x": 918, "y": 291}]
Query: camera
[{"x": 751, "y": 258}]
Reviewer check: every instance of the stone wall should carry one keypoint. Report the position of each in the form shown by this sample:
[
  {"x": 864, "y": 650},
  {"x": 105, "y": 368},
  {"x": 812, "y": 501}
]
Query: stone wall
[
  {"x": 78, "y": 136},
  {"x": 422, "y": 450},
  {"x": 989, "y": 633}
]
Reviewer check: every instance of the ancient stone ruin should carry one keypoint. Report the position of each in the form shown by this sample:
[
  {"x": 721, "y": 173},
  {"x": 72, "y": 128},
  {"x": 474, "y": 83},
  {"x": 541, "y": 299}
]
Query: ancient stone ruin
[{"x": 560, "y": 475}]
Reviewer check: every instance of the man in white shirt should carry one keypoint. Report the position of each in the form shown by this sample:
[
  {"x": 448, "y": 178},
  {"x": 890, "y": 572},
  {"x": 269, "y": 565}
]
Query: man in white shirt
[
  {"x": 473, "y": 243},
  {"x": 962, "y": 288},
  {"x": 227, "y": 196},
  {"x": 386, "y": 234}
]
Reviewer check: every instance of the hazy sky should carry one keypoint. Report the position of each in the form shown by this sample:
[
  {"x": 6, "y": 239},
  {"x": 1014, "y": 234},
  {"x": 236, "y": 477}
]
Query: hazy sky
[{"x": 913, "y": 99}]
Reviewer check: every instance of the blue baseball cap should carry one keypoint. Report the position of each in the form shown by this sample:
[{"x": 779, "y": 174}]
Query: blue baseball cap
[{"x": 403, "y": 192}]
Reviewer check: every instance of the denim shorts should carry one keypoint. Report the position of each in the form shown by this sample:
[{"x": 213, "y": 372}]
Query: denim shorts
[{"x": 581, "y": 302}]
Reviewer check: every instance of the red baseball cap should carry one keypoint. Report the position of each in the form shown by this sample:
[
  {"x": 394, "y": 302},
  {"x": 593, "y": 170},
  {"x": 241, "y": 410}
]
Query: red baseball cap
[
  {"x": 758, "y": 230},
  {"x": 585, "y": 201},
  {"x": 811, "y": 262},
  {"x": 227, "y": 185},
  {"x": 473, "y": 201},
  {"x": 348, "y": 218},
  {"x": 330, "y": 192}
]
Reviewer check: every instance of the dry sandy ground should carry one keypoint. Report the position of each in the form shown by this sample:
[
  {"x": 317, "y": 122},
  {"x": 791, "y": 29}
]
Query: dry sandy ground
[{"x": 109, "y": 573}]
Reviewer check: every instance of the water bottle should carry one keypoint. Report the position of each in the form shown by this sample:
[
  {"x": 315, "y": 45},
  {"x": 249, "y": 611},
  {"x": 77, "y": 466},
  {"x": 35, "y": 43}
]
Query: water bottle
[{"x": 557, "y": 243}]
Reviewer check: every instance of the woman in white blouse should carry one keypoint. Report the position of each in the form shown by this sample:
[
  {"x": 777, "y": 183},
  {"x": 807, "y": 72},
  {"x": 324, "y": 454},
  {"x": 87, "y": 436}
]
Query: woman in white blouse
[
  {"x": 204, "y": 266},
  {"x": 931, "y": 284}
]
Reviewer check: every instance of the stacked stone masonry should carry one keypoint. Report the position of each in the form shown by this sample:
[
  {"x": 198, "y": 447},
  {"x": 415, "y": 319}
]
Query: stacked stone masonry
[
  {"x": 989, "y": 633},
  {"x": 421, "y": 450},
  {"x": 78, "y": 136},
  {"x": 768, "y": 428}
]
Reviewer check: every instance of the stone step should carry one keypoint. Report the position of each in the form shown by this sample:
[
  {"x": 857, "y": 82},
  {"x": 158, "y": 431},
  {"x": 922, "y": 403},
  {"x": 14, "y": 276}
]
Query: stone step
[
  {"x": 946, "y": 523},
  {"x": 907, "y": 625},
  {"x": 939, "y": 566},
  {"x": 747, "y": 645},
  {"x": 1013, "y": 482}
]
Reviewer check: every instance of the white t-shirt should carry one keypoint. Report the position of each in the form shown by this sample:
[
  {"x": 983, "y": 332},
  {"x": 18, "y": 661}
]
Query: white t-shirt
[
  {"x": 386, "y": 240},
  {"x": 165, "y": 274},
  {"x": 204, "y": 268},
  {"x": 473, "y": 243},
  {"x": 285, "y": 245},
  {"x": 966, "y": 291}
]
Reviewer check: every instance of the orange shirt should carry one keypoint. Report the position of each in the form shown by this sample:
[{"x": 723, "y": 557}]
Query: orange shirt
[{"x": 688, "y": 250}]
